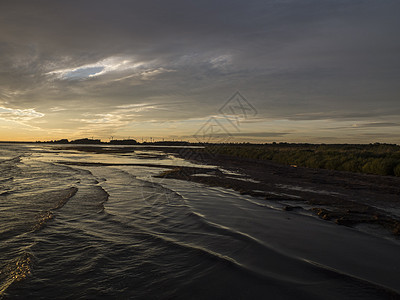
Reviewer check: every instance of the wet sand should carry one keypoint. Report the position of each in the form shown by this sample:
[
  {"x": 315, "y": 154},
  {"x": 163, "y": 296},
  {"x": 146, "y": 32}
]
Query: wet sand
[
  {"x": 368, "y": 201},
  {"x": 288, "y": 251}
]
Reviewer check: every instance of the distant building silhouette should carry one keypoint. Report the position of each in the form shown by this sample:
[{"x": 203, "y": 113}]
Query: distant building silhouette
[
  {"x": 123, "y": 142},
  {"x": 86, "y": 141}
]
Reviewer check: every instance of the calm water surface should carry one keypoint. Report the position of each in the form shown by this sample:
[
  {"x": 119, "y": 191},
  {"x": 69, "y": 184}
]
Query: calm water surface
[{"x": 73, "y": 231}]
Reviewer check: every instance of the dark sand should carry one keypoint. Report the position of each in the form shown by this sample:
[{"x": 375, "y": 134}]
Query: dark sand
[
  {"x": 348, "y": 199},
  {"x": 345, "y": 198},
  {"x": 327, "y": 260}
]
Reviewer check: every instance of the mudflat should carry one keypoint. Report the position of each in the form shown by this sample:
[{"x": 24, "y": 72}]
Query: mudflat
[
  {"x": 368, "y": 202},
  {"x": 350, "y": 199}
]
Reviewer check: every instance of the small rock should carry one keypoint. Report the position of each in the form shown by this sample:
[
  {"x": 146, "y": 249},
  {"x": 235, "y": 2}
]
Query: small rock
[{"x": 288, "y": 208}]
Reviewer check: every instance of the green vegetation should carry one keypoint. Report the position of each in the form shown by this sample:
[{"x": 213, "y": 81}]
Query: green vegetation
[{"x": 380, "y": 159}]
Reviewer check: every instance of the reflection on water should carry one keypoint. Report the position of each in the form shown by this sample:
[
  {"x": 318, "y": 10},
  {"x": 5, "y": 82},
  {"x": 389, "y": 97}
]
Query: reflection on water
[{"x": 116, "y": 231}]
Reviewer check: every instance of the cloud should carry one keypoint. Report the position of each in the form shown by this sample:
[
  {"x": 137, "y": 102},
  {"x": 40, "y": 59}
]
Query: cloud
[
  {"x": 332, "y": 60},
  {"x": 346, "y": 115},
  {"x": 260, "y": 134},
  {"x": 150, "y": 73},
  {"x": 57, "y": 108},
  {"x": 377, "y": 125},
  {"x": 110, "y": 64},
  {"x": 117, "y": 118},
  {"x": 19, "y": 114}
]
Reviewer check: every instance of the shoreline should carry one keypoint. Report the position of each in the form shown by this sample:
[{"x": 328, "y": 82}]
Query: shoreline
[
  {"x": 345, "y": 198},
  {"x": 212, "y": 227},
  {"x": 349, "y": 199}
]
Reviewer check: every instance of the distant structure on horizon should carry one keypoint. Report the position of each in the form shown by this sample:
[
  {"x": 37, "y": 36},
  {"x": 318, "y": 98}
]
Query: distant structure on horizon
[
  {"x": 123, "y": 142},
  {"x": 170, "y": 143},
  {"x": 86, "y": 141}
]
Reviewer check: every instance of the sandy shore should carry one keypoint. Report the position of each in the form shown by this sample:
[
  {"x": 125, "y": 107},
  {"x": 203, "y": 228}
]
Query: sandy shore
[
  {"x": 321, "y": 258},
  {"x": 370, "y": 202},
  {"x": 345, "y": 198}
]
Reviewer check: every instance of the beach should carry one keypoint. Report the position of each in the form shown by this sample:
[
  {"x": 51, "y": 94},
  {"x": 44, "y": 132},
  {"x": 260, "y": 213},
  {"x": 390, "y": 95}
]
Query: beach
[
  {"x": 162, "y": 223},
  {"x": 346, "y": 198}
]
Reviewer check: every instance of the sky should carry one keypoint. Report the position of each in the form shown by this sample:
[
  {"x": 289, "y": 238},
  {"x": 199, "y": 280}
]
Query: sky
[{"x": 314, "y": 71}]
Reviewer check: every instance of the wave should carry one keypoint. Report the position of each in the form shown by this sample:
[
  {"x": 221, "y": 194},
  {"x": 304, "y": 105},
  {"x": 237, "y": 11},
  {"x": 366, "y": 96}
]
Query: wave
[
  {"x": 294, "y": 264},
  {"x": 312, "y": 280},
  {"x": 6, "y": 179},
  {"x": 279, "y": 269},
  {"x": 62, "y": 199},
  {"x": 152, "y": 240},
  {"x": 14, "y": 160},
  {"x": 15, "y": 270}
]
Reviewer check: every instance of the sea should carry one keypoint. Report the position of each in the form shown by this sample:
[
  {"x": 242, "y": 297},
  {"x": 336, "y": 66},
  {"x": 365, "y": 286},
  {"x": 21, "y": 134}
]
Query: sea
[{"x": 88, "y": 225}]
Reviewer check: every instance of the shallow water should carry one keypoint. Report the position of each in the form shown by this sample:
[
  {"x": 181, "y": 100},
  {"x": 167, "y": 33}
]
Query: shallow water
[{"x": 116, "y": 231}]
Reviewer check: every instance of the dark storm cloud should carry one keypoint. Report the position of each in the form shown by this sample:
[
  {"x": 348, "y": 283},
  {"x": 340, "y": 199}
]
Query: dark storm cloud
[
  {"x": 344, "y": 115},
  {"x": 385, "y": 125},
  {"x": 259, "y": 134},
  {"x": 299, "y": 60},
  {"x": 382, "y": 124},
  {"x": 255, "y": 135}
]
